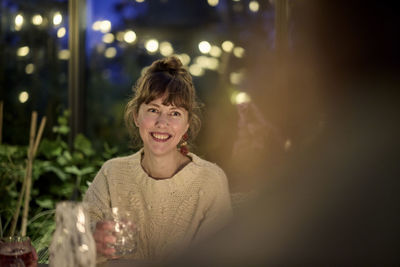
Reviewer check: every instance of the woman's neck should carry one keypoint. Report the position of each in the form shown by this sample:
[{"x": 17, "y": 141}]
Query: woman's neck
[{"x": 165, "y": 166}]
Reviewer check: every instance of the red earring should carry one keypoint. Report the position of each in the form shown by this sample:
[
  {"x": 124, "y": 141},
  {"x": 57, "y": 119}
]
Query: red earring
[{"x": 183, "y": 146}]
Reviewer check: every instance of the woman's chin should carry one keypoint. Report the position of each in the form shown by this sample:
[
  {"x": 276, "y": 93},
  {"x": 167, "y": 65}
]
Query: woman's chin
[{"x": 160, "y": 150}]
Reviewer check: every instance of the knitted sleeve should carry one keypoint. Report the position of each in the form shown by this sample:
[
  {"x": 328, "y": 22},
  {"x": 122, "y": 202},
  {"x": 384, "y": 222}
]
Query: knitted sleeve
[
  {"x": 97, "y": 197},
  {"x": 218, "y": 210}
]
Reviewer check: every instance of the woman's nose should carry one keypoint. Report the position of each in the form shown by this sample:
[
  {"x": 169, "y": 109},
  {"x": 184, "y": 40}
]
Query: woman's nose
[{"x": 162, "y": 120}]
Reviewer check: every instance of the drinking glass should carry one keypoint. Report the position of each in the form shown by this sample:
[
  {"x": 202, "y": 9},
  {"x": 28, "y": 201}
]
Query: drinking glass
[
  {"x": 72, "y": 243},
  {"x": 17, "y": 251},
  {"x": 124, "y": 231}
]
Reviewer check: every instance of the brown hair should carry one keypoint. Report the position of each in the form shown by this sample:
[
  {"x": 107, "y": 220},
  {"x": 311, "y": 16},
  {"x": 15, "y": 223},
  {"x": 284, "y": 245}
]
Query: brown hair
[{"x": 165, "y": 77}]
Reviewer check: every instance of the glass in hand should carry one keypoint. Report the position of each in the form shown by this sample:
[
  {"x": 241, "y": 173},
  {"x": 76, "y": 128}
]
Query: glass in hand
[{"x": 124, "y": 231}]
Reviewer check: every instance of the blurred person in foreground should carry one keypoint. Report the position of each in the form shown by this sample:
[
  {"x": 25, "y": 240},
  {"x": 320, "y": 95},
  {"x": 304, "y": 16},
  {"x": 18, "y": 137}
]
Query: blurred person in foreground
[
  {"x": 176, "y": 197},
  {"x": 254, "y": 140},
  {"x": 335, "y": 199}
]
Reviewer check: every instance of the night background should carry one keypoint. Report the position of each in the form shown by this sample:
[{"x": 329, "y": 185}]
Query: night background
[
  {"x": 115, "y": 53},
  {"x": 325, "y": 77}
]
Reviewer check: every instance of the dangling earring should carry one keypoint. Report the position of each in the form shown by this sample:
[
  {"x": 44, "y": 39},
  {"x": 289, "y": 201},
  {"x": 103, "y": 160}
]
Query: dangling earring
[{"x": 183, "y": 146}]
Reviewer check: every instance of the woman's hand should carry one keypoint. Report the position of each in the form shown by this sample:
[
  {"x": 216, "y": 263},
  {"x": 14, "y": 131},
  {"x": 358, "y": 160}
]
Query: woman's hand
[{"x": 104, "y": 238}]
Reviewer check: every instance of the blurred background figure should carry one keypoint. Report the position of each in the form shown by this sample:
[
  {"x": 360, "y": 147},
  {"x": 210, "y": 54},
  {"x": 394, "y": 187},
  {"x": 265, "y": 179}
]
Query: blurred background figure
[
  {"x": 255, "y": 139},
  {"x": 333, "y": 199}
]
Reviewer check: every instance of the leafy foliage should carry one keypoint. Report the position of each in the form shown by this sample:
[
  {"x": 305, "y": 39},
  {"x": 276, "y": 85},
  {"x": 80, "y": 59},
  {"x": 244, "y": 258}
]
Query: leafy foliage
[{"x": 59, "y": 173}]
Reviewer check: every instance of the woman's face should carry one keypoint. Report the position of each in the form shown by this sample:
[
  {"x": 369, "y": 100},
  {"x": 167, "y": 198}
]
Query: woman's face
[{"x": 161, "y": 127}]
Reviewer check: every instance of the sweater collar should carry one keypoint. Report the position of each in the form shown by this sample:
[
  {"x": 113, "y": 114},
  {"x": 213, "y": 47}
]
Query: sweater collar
[{"x": 194, "y": 160}]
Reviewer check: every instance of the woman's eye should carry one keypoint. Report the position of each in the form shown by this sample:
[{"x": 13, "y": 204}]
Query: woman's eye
[
  {"x": 153, "y": 110},
  {"x": 176, "y": 113}
]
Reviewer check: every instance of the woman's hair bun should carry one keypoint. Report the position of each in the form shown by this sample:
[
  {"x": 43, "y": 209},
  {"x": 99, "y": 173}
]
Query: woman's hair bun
[{"x": 170, "y": 64}]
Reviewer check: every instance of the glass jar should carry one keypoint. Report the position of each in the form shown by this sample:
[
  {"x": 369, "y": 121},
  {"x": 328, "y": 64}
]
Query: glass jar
[
  {"x": 17, "y": 251},
  {"x": 72, "y": 244}
]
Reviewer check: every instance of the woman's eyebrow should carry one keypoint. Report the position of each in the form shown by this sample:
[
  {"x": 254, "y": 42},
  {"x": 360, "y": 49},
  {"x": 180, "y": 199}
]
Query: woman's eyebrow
[
  {"x": 154, "y": 104},
  {"x": 175, "y": 107},
  {"x": 171, "y": 107}
]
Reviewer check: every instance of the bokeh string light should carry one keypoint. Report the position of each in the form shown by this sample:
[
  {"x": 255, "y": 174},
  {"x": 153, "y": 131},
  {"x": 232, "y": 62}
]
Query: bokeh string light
[
  {"x": 61, "y": 32},
  {"x": 19, "y": 21},
  {"x": 129, "y": 36},
  {"x": 23, "y": 51},
  {"x": 210, "y": 60},
  {"x": 213, "y": 2},
  {"x": 254, "y": 6},
  {"x": 166, "y": 49},
  {"x": 227, "y": 46},
  {"x": 57, "y": 18},
  {"x": 110, "y": 52},
  {"x": 204, "y": 47},
  {"x": 152, "y": 46},
  {"x": 30, "y": 68},
  {"x": 37, "y": 19},
  {"x": 108, "y": 38},
  {"x": 23, "y": 96}
]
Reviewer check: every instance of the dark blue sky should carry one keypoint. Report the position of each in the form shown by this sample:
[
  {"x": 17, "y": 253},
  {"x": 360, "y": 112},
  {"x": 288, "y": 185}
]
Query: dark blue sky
[{"x": 99, "y": 10}]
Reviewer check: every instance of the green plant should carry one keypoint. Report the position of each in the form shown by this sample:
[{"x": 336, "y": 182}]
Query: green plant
[{"x": 58, "y": 173}]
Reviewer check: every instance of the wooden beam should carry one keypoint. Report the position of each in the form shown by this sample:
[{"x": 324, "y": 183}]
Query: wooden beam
[{"x": 76, "y": 67}]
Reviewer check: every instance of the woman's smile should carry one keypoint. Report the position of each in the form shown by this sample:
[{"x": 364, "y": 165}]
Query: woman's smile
[{"x": 160, "y": 137}]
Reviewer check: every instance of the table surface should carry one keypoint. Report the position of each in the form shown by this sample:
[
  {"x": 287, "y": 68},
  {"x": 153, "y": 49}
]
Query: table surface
[{"x": 118, "y": 263}]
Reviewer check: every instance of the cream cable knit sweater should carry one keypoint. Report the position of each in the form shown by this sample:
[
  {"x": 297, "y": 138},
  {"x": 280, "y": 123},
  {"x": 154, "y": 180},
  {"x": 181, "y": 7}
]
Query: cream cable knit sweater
[{"x": 170, "y": 213}]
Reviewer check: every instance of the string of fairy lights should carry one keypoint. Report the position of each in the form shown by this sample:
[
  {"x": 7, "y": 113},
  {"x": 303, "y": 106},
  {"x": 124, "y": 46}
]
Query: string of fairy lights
[{"x": 210, "y": 58}]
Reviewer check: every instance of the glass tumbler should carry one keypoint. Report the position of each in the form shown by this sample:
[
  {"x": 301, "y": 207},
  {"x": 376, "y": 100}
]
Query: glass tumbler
[
  {"x": 17, "y": 251},
  {"x": 124, "y": 231}
]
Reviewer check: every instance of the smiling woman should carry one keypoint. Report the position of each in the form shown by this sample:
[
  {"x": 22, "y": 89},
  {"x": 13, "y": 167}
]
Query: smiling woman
[
  {"x": 161, "y": 128},
  {"x": 175, "y": 197},
  {"x": 168, "y": 81}
]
